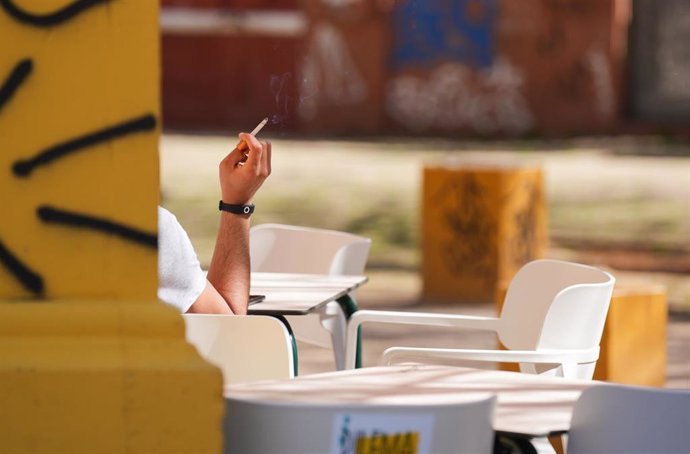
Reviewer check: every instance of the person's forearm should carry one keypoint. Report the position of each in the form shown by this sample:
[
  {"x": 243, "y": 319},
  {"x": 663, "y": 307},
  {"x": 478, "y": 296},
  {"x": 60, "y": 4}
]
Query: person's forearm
[
  {"x": 229, "y": 268},
  {"x": 241, "y": 174}
]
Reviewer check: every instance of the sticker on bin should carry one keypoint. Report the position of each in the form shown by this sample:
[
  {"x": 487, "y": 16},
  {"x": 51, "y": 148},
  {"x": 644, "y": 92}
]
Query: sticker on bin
[{"x": 381, "y": 433}]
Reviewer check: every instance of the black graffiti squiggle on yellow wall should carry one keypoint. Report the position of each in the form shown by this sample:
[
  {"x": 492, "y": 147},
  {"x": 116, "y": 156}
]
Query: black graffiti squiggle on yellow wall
[
  {"x": 49, "y": 19},
  {"x": 13, "y": 83},
  {"x": 24, "y": 167},
  {"x": 17, "y": 76},
  {"x": 79, "y": 220},
  {"x": 25, "y": 275},
  {"x": 31, "y": 280}
]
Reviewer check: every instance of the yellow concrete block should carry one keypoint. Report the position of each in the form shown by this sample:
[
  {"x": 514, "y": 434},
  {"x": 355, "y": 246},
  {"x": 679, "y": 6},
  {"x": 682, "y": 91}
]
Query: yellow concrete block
[
  {"x": 633, "y": 346},
  {"x": 107, "y": 377},
  {"x": 480, "y": 224}
]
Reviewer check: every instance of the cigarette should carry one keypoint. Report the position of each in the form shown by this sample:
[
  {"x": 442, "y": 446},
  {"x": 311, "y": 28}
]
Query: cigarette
[
  {"x": 242, "y": 145},
  {"x": 259, "y": 127}
]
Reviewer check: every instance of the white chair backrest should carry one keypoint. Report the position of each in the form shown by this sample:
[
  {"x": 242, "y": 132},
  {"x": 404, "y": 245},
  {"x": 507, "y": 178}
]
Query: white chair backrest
[
  {"x": 293, "y": 249},
  {"x": 630, "y": 420},
  {"x": 283, "y": 248},
  {"x": 555, "y": 304},
  {"x": 253, "y": 427},
  {"x": 245, "y": 348}
]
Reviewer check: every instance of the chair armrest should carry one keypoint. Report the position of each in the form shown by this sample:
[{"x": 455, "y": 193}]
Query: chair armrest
[
  {"x": 411, "y": 318},
  {"x": 552, "y": 356}
]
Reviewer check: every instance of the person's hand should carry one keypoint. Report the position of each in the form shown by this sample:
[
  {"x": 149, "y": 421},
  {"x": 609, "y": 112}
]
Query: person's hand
[{"x": 243, "y": 173}]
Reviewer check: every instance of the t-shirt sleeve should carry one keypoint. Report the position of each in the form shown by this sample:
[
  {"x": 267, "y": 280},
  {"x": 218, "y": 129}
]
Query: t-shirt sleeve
[{"x": 180, "y": 277}]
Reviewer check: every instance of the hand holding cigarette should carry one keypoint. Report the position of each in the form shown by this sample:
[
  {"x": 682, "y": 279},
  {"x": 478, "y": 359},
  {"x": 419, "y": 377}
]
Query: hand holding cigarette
[
  {"x": 245, "y": 168},
  {"x": 242, "y": 145}
]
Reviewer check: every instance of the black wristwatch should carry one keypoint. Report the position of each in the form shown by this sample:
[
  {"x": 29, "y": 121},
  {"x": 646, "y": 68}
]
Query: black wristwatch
[{"x": 236, "y": 209}]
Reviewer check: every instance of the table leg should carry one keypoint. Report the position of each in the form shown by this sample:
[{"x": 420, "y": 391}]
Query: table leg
[
  {"x": 510, "y": 444},
  {"x": 349, "y": 306},
  {"x": 295, "y": 360}
]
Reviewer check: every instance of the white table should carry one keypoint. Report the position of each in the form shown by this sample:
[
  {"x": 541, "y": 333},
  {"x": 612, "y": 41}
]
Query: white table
[
  {"x": 299, "y": 294},
  {"x": 527, "y": 405},
  {"x": 302, "y": 294}
]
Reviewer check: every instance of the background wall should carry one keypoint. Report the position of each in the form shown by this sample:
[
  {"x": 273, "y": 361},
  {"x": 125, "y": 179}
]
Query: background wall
[{"x": 421, "y": 67}]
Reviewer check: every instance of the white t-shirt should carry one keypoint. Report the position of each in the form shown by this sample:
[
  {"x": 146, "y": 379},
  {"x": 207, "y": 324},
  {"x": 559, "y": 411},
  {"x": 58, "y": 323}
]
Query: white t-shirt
[{"x": 180, "y": 278}]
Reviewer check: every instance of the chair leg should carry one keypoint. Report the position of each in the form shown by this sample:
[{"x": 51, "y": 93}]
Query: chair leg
[
  {"x": 528, "y": 368},
  {"x": 569, "y": 370},
  {"x": 543, "y": 446},
  {"x": 334, "y": 320}
]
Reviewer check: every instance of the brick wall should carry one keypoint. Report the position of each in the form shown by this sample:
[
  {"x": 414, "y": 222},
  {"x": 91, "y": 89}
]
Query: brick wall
[
  {"x": 228, "y": 74},
  {"x": 449, "y": 67}
]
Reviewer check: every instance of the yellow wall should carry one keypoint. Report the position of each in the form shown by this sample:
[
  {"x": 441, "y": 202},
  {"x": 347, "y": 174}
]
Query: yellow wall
[
  {"x": 98, "y": 69},
  {"x": 89, "y": 360}
]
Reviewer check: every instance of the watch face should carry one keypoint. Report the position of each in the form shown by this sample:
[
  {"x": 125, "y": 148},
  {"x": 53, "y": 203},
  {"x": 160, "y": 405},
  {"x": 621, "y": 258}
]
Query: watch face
[{"x": 79, "y": 128}]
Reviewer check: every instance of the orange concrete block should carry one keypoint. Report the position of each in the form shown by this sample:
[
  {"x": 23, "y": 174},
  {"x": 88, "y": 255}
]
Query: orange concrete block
[
  {"x": 633, "y": 346},
  {"x": 480, "y": 224}
]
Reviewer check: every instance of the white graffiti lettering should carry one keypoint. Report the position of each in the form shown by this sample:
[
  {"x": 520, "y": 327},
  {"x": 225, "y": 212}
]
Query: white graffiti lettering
[
  {"x": 603, "y": 86},
  {"x": 329, "y": 75},
  {"x": 456, "y": 97}
]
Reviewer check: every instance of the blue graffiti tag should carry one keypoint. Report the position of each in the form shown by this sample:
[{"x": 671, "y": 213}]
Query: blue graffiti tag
[{"x": 426, "y": 32}]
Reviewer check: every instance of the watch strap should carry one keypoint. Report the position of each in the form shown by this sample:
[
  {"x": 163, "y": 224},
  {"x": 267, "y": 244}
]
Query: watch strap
[{"x": 236, "y": 209}]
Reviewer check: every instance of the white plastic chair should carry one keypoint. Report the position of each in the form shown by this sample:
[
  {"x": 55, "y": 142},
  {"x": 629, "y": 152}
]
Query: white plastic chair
[
  {"x": 551, "y": 322},
  {"x": 283, "y": 248},
  {"x": 631, "y": 420},
  {"x": 246, "y": 348},
  {"x": 257, "y": 427}
]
